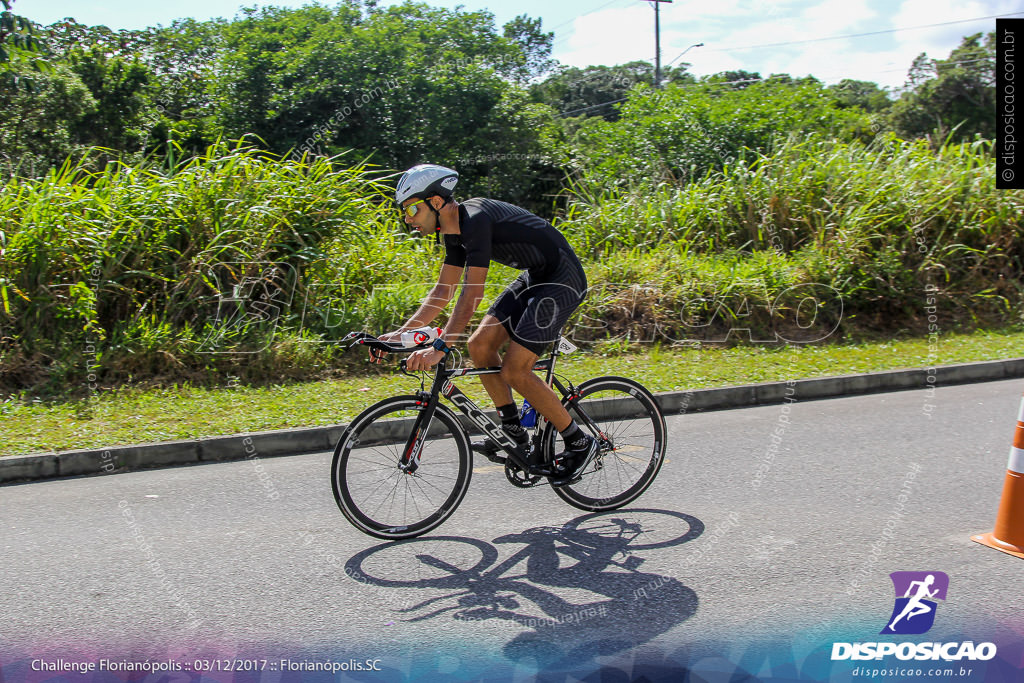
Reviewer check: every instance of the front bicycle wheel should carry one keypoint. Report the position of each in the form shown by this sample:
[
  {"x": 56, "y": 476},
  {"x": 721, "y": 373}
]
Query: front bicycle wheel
[
  {"x": 625, "y": 419},
  {"x": 376, "y": 494}
]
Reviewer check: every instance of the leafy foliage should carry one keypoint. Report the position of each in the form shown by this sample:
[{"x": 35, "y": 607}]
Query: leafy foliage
[
  {"x": 876, "y": 223},
  {"x": 134, "y": 272},
  {"x": 683, "y": 131},
  {"x": 130, "y": 232},
  {"x": 951, "y": 96},
  {"x": 403, "y": 85},
  {"x": 595, "y": 90},
  {"x": 142, "y": 263},
  {"x": 21, "y": 52},
  {"x": 39, "y": 126},
  {"x": 864, "y": 94}
]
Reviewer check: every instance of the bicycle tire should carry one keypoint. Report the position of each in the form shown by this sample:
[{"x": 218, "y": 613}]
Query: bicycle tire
[
  {"x": 624, "y": 410},
  {"x": 446, "y": 444}
]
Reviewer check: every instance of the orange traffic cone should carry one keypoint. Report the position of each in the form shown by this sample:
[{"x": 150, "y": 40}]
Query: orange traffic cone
[{"x": 1008, "y": 535}]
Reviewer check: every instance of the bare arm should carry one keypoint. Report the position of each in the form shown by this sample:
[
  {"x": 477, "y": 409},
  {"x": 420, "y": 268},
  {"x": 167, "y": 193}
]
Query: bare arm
[
  {"x": 438, "y": 297},
  {"x": 469, "y": 300}
]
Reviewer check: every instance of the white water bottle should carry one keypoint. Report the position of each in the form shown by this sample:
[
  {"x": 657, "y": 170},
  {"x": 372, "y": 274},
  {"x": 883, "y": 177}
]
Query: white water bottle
[{"x": 422, "y": 335}]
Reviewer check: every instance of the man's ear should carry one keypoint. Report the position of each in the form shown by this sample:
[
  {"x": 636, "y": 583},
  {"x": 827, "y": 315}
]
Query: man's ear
[{"x": 437, "y": 202}]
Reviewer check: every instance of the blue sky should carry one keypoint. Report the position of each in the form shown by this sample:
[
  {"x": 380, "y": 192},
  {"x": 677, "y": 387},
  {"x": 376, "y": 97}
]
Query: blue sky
[{"x": 737, "y": 34}]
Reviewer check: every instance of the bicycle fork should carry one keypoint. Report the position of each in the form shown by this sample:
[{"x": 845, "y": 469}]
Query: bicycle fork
[{"x": 410, "y": 460}]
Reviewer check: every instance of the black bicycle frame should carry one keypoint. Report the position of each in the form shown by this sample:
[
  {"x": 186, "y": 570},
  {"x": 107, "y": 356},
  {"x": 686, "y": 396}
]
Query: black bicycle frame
[{"x": 443, "y": 386}]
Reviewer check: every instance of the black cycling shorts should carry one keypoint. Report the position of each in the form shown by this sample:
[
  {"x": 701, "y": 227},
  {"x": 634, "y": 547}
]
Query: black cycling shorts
[{"x": 534, "y": 311}]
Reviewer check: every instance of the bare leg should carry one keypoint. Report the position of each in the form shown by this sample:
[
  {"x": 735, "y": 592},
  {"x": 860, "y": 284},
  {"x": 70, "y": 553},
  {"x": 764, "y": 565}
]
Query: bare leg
[
  {"x": 517, "y": 371},
  {"x": 483, "y": 350}
]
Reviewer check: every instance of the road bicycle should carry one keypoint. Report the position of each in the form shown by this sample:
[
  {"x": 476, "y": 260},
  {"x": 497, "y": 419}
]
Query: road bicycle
[{"x": 403, "y": 465}]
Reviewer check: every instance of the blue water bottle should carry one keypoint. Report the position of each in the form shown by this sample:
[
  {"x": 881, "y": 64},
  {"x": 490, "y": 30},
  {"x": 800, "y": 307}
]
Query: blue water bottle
[{"x": 528, "y": 415}]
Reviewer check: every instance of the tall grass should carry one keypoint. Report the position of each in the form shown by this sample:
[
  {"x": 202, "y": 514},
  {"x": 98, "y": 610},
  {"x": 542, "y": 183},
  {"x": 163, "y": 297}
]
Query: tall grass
[
  {"x": 127, "y": 272},
  {"x": 240, "y": 263},
  {"x": 877, "y": 222}
]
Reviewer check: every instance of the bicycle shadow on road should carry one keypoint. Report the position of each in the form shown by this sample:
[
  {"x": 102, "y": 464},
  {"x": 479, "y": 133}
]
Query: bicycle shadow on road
[{"x": 547, "y": 587}]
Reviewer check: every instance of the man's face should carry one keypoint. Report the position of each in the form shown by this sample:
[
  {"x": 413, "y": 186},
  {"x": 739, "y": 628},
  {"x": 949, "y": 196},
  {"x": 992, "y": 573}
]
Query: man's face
[{"x": 424, "y": 221}]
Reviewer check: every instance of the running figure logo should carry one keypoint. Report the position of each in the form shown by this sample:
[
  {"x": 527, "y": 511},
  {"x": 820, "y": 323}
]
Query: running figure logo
[{"x": 914, "y": 611}]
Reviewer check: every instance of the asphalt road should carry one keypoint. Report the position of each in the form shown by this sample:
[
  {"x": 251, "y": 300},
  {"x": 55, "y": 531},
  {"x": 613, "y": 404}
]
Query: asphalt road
[{"x": 766, "y": 524}]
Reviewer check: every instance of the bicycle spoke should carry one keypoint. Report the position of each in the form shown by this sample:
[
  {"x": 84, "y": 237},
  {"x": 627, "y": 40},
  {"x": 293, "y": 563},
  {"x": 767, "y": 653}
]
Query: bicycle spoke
[
  {"x": 390, "y": 496},
  {"x": 375, "y": 469},
  {"x": 378, "y": 495},
  {"x": 616, "y": 410},
  {"x": 421, "y": 481},
  {"x": 419, "y": 484}
]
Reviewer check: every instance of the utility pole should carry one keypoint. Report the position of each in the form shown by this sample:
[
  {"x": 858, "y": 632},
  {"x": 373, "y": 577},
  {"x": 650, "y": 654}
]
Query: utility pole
[{"x": 657, "y": 42}]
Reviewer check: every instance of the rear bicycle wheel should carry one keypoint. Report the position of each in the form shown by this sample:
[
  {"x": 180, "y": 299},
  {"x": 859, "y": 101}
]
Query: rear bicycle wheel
[
  {"x": 375, "y": 494},
  {"x": 625, "y": 419}
]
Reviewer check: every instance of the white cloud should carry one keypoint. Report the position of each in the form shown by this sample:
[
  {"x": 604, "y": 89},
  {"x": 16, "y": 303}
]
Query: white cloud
[
  {"x": 612, "y": 36},
  {"x": 939, "y": 41},
  {"x": 836, "y": 17},
  {"x": 905, "y": 45}
]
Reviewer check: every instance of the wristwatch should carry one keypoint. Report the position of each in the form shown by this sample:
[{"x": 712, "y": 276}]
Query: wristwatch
[{"x": 441, "y": 346}]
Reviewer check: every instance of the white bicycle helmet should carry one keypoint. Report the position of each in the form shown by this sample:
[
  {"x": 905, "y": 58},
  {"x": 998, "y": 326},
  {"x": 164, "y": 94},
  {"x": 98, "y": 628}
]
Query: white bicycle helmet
[{"x": 426, "y": 180}]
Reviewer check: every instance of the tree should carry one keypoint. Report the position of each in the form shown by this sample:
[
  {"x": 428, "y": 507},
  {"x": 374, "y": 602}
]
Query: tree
[
  {"x": 534, "y": 44},
  {"x": 400, "y": 85},
  {"x": 18, "y": 45},
  {"x": 683, "y": 131},
  {"x": 403, "y": 85},
  {"x": 120, "y": 88},
  {"x": 864, "y": 94},
  {"x": 37, "y": 129},
  {"x": 597, "y": 90},
  {"x": 957, "y": 93},
  {"x": 183, "y": 59}
]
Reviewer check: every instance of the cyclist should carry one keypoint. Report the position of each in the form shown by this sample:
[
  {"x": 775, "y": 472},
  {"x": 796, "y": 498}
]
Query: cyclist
[{"x": 529, "y": 314}]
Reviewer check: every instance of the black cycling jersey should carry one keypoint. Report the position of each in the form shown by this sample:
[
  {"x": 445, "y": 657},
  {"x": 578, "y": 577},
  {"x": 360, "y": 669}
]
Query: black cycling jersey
[{"x": 496, "y": 231}]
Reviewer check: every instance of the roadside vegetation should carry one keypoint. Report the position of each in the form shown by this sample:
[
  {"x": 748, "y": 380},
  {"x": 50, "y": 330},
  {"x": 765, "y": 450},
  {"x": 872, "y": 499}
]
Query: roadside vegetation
[
  {"x": 208, "y": 203},
  {"x": 128, "y": 415},
  {"x": 243, "y": 264}
]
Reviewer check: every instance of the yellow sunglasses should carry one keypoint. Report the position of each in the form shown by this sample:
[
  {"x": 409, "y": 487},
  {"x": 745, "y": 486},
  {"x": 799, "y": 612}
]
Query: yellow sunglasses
[{"x": 411, "y": 210}]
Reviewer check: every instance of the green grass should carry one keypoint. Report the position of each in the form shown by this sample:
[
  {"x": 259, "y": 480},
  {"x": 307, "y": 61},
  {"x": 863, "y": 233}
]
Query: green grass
[{"x": 132, "y": 416}]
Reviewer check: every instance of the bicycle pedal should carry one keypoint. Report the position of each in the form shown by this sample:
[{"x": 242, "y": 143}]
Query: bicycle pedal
[
  {"x": 541, "y": 471},
  {"x": 485, "y": 447},
  {"x": 569, "y": 482},
  {"x": 489, "y": 450}
]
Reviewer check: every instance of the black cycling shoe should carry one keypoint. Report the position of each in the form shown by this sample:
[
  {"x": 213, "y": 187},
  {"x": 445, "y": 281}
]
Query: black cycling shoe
[
  {"x": 487, "y": 447},
  {"x": 571, "y": 464},
  {"x": 490, "y": 449}
]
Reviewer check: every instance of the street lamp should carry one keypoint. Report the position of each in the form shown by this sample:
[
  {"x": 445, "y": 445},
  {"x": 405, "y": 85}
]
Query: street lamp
[{"x": 685, "y": 51}]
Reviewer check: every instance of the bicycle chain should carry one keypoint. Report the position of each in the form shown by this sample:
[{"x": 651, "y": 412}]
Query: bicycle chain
[{"x": 517, "y": 476}]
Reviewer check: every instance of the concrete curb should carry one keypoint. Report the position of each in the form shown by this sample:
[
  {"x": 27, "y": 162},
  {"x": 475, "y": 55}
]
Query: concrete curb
[{"x": 319, "y": 439}]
